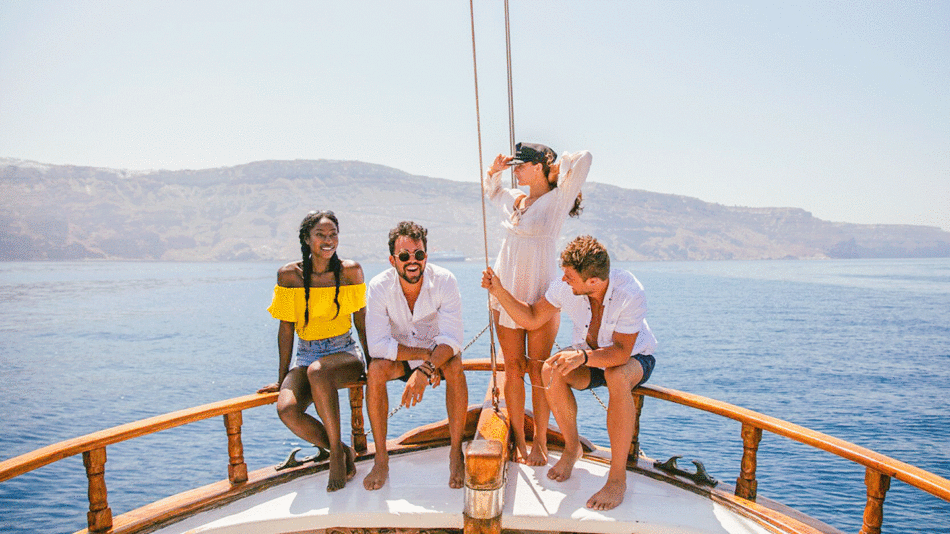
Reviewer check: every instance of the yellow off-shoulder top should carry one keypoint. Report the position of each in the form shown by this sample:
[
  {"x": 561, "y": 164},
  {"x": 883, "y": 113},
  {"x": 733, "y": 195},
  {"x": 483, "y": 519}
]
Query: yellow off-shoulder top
[{"x": 288, "y": 305}]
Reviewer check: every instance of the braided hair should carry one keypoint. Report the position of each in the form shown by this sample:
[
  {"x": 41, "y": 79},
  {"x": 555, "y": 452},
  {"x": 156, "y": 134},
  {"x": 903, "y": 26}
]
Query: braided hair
[{"x": 336, "y": 265}]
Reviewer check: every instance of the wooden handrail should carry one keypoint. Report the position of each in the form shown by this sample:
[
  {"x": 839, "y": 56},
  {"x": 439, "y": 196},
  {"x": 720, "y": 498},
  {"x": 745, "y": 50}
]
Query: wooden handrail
[
  {"x": 92, "y": 446},
  {"x": 25, "y": 463},
  {"x": 924, "y": 480},
  {"x": 33, "y": 460}
]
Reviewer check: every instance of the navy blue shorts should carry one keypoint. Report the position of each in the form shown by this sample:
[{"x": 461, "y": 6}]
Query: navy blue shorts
[{"x": 647, "y": 361}]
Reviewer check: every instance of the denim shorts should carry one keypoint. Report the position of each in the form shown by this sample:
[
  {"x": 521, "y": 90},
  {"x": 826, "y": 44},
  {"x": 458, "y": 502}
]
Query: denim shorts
[
  {"x": 647, "y": 361},
  {"x": 311, "y": 351}
]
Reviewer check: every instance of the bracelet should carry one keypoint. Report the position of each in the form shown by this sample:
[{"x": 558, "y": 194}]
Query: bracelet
[
  {"x": 585, "y": 357},
  {"x": 427, "y": 369}
]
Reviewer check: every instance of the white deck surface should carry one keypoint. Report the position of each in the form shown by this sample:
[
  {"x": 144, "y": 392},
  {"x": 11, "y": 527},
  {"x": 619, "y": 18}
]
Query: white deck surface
[{"x": 417, "y": 496}]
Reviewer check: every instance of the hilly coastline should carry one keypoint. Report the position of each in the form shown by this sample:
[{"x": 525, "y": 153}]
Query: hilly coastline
[{"x": 251, "y": 212}]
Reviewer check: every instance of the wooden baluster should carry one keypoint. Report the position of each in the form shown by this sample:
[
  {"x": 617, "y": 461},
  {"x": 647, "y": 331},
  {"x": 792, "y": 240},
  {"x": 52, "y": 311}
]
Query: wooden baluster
[
  {"x": 356, "y": 418},
  {"x": 99, "y": 517},
  {"x": 878, "y": 484},
  {"x": 746, "y": 485},
  {"x": 237, "y": 469},
  {"x": 634, "y": 451}
]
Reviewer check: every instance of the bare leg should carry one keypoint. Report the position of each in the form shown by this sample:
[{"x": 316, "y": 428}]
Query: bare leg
[
  {"x": 377, "y": 407},
  {"x": 540, "y": 342},
  {"x": 326, "y": 376},
  {"x": 620, "y": 412},
  {"x": 563, "y": 404},
  {"x": 292, "y": 403},
  {"x": 512, "y": 342},
  {"x": 456, "y": 402}
]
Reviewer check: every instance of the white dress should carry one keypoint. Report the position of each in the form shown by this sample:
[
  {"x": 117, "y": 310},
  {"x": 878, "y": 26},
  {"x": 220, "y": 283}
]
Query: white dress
[{"x": 528, "y": 260}]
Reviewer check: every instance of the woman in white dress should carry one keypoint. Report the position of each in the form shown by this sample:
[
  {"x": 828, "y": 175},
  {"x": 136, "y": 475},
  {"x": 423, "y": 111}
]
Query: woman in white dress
[{"x": 526, "y": 264}]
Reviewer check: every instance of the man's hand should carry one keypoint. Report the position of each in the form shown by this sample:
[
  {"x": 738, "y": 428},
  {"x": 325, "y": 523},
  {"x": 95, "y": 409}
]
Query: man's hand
[
  {"x": 566, "y": 361},
  {"x": 415, "y": 387},
  {"x": 435, "y": 378}
]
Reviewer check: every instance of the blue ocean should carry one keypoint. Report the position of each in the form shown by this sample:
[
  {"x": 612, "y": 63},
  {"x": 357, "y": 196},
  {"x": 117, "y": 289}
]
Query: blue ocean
[{"x": 859, "y": 349}]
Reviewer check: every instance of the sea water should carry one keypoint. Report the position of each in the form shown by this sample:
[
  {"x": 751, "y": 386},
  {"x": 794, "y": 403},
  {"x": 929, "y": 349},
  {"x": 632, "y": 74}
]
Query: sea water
[{"x": 858, "y": 349}]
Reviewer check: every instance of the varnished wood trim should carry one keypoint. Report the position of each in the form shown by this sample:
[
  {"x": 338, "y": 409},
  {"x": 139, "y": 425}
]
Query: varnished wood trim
[
  {"x": 746, "y": 485},
  {"x": 482, "y": 364},
  {"x": 877, "y": 485},
  {"x": 929, "y": 482},
  {"x": 99, "y": 517},
  {"x": 53, "y": 453}
]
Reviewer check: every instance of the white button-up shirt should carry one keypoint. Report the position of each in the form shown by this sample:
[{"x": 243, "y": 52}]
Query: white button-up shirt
[
  {"x": 436, "y": 318},
  {"x": 625, "y": 309}
]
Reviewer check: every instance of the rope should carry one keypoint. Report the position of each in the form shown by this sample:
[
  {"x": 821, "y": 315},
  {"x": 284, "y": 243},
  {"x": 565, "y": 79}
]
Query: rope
[
  {"x": 511, "y": 97},
  {"x": 481, "y": 176}
]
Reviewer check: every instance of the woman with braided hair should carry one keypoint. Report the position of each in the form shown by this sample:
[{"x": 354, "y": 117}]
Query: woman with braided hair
[{"x": 319, "y": 298}]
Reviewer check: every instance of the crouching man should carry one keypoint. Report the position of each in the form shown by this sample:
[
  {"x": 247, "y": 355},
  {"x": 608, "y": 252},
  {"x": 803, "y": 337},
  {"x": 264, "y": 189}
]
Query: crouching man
[{"x": 612, "y": 346}]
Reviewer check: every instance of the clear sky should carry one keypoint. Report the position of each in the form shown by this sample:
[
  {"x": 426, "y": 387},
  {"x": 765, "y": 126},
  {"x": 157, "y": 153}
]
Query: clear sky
[{"x": 838, "y": 107}]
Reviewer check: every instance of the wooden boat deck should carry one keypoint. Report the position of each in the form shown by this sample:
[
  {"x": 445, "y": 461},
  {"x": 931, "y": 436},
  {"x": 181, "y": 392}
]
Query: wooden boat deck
[{"x": 417, "y": 496}]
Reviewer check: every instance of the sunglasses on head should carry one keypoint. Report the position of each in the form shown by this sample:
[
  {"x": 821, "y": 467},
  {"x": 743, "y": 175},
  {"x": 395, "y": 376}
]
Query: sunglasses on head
[{"x": 404, "y": 255}]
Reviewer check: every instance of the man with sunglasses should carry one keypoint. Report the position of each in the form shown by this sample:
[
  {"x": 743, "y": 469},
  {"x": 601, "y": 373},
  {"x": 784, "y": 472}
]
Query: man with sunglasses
[{"x": 414, "y": 333}]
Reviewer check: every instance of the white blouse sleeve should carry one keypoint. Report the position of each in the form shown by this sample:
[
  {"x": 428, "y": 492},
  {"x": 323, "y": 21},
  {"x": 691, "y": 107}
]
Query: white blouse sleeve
[
  {"x": 572, "y": 174},
  {"x": 494, "y": 192}
]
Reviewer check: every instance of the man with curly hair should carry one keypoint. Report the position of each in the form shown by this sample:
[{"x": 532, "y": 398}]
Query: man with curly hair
[{"x": 612, "y": 345}]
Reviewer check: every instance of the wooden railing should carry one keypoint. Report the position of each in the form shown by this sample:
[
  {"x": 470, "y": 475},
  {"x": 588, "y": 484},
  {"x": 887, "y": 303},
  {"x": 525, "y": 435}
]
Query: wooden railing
[
  {"x": 879, "y": 468},
  {"x": 93, "y": 446}
]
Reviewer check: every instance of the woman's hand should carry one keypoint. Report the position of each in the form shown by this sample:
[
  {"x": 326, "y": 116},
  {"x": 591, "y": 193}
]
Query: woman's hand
[
  {"x": 270, "y": 388},
  {"x": 490, "y": 281},
  {"x": 500, "y": 163}
]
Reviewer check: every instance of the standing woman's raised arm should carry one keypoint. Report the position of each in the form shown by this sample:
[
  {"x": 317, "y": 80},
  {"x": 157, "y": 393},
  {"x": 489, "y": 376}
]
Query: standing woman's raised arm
[{"x": 572, "y": 174}]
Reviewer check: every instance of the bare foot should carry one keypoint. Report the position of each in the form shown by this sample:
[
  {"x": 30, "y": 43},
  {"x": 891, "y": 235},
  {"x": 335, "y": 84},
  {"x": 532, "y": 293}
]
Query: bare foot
[
  {"x": 609, "y": 497},
  {"x": 538, "y": 456},
  {"x": 340, "y": 464},
  {"x": 520, "y": 453},
  {"x": 350, "y": 463},
  {"x": 377, "y": 475},
  {"x": 456, "y": 468},
  {"x": 561, "y": 470}
]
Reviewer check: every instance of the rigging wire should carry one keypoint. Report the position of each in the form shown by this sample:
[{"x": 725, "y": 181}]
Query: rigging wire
[
  {"x": 511, "y": 96},
  {"x": 470, "y": 343},
  {"x": 481, "y": 175}
]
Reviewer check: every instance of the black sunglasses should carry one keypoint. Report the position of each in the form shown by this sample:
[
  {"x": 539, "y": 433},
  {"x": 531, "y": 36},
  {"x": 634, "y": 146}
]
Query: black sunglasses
[{"x": 404, "y": 255}]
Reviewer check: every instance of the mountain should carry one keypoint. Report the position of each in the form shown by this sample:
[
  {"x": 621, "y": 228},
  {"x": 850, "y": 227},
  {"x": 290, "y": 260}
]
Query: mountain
[{"x": 252, "y": 211}]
